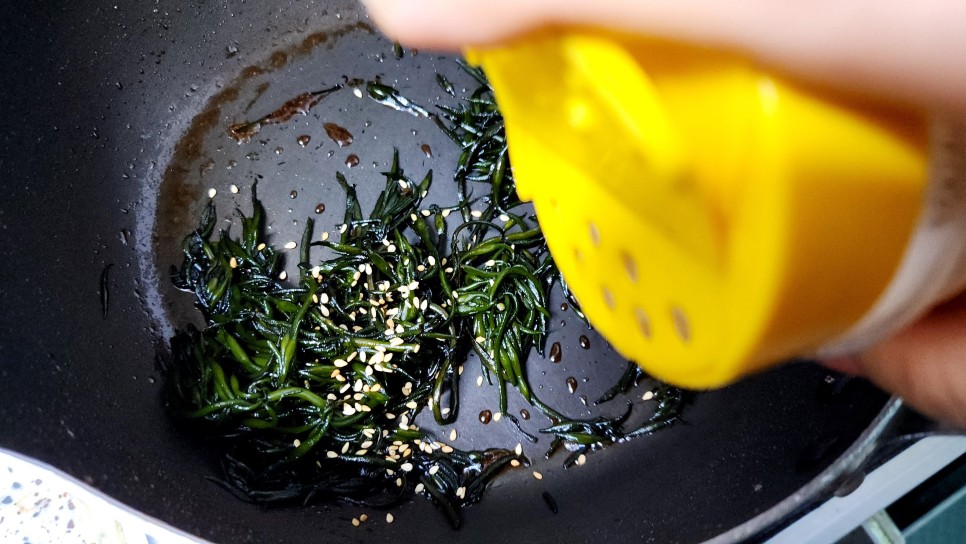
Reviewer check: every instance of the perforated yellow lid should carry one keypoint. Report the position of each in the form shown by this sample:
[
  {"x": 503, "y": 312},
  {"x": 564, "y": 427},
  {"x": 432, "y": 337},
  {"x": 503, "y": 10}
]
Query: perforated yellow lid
[{"x": 711, "y": 220}]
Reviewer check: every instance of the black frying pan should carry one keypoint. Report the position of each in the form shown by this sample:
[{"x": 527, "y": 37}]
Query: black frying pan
[{"x": 113, "y": 133}]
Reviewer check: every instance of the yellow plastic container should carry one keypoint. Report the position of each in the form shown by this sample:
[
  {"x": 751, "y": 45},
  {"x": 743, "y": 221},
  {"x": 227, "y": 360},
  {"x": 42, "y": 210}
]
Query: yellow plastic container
[{"x": 712, "y": 219}]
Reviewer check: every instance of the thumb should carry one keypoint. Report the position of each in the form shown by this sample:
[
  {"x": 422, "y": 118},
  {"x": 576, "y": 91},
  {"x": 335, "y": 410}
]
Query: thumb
[{"x": 924, "y": 364}]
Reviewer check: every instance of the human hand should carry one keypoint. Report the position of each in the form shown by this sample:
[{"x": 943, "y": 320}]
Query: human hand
[
  {"x": 896, "y": 51},
  {"x": 899, "y": 51},
  {"x": 924, "y": 364}
]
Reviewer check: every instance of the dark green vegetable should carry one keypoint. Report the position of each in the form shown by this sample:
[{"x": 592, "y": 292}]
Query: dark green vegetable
[{"x": 312, "y": 390}]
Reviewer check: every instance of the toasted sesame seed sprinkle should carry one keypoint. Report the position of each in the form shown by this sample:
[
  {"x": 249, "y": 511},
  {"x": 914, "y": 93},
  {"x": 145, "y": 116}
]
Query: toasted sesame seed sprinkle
[
  {"x": 514, "y": 463},
  {"x": 233, "y": 263},
  {"x": 363, "y": 517},
  {"x": 261, "y": 246},
  {"x": 537, "y": 475},
  {"x": 355, "y": 522}
]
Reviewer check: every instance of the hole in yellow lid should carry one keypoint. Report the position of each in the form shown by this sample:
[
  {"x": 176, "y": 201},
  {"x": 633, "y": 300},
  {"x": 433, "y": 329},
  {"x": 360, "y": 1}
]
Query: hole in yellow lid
[
  {"x": 594, "y": 234},
  {"x": 643, "y": 322},
  {"x": 630, "y": 266},
  {"x": 681, "y": 323},
  {"x": 609, "y": 298}
]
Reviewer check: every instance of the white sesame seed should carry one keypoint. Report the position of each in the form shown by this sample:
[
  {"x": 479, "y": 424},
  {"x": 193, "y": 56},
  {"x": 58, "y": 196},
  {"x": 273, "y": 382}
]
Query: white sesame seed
[
  {"x": 342, "y": 228},
  {"x": 648, "y": 396},
  {"x": 324, "y": 298},
  {"x": 413, "y": 217},
  {"x": 514, "y": 463},
  {"x": 426, "y": 213},
  {"x": 261, "y": 246},
  {"x": 348, "y": 410},
  {"x": 233, "y": 189},
  {"x": 519, "y": 449},
  {"x": 504, "y": 217},
  {"x": 331, "y": 454},
  {"x": 446, "y": 449},
  {"x": 339, "y": 363},
  {"x": 403, "y": 184},
  {"x": 391, "y": 248},
  {"x": 448, "y": 270},
  {"x": 420, "y": 487},
  {"x": 360, "y": 453},
  {"x": 345, "y": 448},
  {"x": 476, "y": 213},
  {"x": 581, "y": 459},
  {"x": 431, "y": 260},
  {"x": 452, "y": 435},
  {"x": 296, "y": 442},
  {"x": 363, "y": 517},
  {"x": 233, "y": 263},
  {"x": 324, "y": 311},
  {"x": 537, "y": 475},
  {"x": 480, "y": 339},
  {"x": 389, "y": 517},
  {"x": 491, "y": 262},
  {"x": 406, "y": 467},
  {"x": 283, "y": 275},
  {"x": 497, "y": 416},
  {"x": 399, "y": 482},
  {"x": 357, "y": 92},
  {"x": 479, "y": 381},
  {"x": 396, "y": 341},
  {"x": 420, "y": 268},
  {"x": 424, "y": 305},
  {"x": 355, "y": 522},
  {"x": 325, "y": 236},
  {"x": 212, "y": 192}
]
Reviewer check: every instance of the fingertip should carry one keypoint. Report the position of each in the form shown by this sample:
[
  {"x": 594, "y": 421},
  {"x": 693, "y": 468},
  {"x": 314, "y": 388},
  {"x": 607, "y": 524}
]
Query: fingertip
[
  {"x": 845, "y": 365},
  {"x": 450, "y": 24}
]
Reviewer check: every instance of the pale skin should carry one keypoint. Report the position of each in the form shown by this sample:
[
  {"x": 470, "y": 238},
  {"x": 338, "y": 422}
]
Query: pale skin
[{"x": 906, "y": 53}]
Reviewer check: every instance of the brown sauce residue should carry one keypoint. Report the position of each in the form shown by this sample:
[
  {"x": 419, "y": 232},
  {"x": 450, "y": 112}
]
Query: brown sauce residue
[
  {"x": 278, "y": 59},
  {"x": 339, "y": 134},
  {"x": 301, "y": 104}
]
